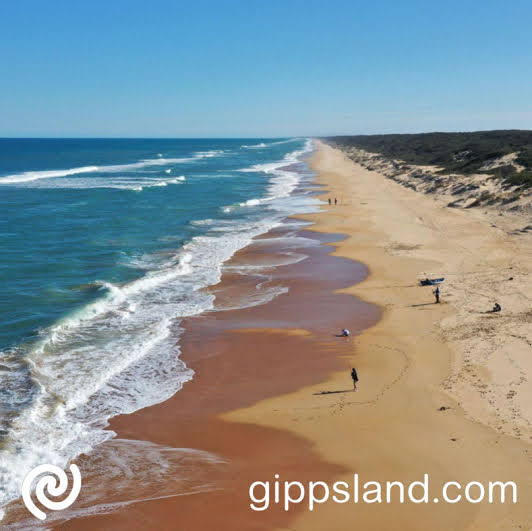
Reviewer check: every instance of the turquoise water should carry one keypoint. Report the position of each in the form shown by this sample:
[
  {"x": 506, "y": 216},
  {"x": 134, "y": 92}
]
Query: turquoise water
[
  {"x": 64, "y": 233},
  {"x": 105, "y": 245}
]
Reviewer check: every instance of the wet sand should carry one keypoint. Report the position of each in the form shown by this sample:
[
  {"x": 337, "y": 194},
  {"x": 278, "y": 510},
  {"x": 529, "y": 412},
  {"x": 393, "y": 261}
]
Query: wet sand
[{"x": 242, "y": 357}]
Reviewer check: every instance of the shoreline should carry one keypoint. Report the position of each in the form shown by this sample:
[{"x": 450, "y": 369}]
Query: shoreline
[
  {"x": 240, "y": 358},
  {"x": 390, "y": 430},
  {"x": 216, "y": 345}
]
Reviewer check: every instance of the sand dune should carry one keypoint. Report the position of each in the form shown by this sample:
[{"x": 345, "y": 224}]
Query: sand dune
[{"x": 457, "y": 190}]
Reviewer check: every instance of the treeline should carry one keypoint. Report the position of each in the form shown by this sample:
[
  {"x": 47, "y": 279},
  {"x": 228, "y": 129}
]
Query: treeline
[{"x": 453, "y": 152}]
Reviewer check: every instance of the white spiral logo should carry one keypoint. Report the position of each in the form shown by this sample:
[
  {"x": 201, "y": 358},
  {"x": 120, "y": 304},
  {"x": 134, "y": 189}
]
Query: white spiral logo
[{"x": 49, "y": 482}]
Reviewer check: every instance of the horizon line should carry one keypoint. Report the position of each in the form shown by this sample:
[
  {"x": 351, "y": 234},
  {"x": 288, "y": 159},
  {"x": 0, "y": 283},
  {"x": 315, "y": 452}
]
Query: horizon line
[{"x": 17, "y": 137}]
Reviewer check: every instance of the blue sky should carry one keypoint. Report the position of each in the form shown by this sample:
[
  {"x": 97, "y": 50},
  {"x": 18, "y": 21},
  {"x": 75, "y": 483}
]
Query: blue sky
[{"x": 265, "y": 68}]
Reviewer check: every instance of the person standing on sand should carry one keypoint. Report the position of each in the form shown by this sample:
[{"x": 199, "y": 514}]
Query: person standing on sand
[
  {"x": 354, "y": 375},
  {"x": 335, "y": 201},
  {"x": 437, "y": 294}
]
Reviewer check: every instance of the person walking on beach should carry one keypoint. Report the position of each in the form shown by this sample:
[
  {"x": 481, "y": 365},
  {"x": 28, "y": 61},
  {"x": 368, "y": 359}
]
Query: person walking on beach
[
  {"x": 354, "y": 375},
  {"x": 335, "y": 201},
  {"x": 437, "y": 294}
]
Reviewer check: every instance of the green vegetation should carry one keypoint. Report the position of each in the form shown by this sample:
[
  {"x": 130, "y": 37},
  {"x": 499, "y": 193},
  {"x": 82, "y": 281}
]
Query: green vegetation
[{"x": 453, "y": 152}]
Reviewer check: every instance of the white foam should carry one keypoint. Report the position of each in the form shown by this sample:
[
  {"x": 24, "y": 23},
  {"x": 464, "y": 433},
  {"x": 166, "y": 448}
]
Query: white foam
[
  {"x": 47, "y": 174},
  {"x": 262, "y": 145},
  {"x": 111, "y": 168},
  {"x": 135, "y": 471},
  {"x": 251, "y": 202},
  {"x": 215, "y": 224},
  {"x": 261, "y": 296},
  {"x": 255, "y": 146},
  {"x": 116, "y": 183},
  {"x": 283, "y": 180},
  {"x": 210, "y": 153}
]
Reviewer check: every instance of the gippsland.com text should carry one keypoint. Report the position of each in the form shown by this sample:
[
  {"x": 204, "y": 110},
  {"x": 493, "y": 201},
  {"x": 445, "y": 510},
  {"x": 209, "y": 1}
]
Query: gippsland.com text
[{"x": 264, "y": 494}]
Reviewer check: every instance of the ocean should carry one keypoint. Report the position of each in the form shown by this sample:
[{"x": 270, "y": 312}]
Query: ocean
[{"x": 106, "y": 245}]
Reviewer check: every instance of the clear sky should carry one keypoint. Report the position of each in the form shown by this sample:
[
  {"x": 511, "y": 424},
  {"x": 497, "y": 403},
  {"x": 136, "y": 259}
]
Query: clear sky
[{"x": 263, "y": 68}]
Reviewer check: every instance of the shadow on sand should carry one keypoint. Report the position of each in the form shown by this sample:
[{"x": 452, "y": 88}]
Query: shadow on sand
[{"x": 333, "y": 392}]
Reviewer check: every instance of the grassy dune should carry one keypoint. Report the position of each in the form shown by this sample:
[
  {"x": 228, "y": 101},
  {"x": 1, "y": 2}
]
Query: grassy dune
[{"x": 508, "y": 151}]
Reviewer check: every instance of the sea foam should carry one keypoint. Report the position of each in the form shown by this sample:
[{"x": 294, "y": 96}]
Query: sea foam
[{"x": 29, "y": 176}]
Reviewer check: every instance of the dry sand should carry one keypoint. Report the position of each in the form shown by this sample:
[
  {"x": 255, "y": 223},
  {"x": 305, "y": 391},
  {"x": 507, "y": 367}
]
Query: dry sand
[{"x": 421, "y": 356}]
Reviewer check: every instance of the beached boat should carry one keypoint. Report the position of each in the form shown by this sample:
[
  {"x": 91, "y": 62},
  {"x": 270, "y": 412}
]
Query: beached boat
[{"x": 431, "y": 281}]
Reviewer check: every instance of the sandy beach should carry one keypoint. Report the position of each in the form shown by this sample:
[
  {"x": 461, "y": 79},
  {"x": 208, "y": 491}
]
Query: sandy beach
[
  {"x": 443, "y": 388},
  {"x": 421, "y": 357}
]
